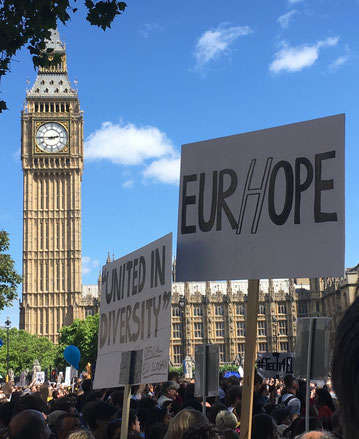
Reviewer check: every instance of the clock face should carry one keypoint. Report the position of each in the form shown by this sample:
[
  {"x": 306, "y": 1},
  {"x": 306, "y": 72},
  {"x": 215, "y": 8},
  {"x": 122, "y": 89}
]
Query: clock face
[{"x": 51, "y": 137}]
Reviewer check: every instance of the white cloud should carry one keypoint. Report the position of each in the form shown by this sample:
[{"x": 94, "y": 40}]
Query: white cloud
[
  {"x": 215, "y": 42},
  {"x": 127, "y": 144},
  {"x": 294, "y": 59},
  {"x": 339, "y": 62},
  {"x": 293, "y": 2},
  {"x": 166, "y": 170},
  {"x": 149, "y": 28},
  {"x": 285, "y": 19},
  {"x": 128, "y": 184},
  {"x": 88, "y": 264}
]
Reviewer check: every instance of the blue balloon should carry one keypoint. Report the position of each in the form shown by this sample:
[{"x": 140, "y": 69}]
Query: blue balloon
[{"x": 72, "y": 355}]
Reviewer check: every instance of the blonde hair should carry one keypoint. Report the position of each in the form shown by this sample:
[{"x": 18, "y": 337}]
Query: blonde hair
[
  {"x": 225, "y": 419},
  {"x": 81, "y": 434},
  {"x": 183, "y": 420}
]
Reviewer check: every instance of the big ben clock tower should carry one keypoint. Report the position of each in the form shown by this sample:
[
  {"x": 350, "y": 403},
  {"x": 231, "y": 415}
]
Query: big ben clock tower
[{"x": 52, "y": 162}]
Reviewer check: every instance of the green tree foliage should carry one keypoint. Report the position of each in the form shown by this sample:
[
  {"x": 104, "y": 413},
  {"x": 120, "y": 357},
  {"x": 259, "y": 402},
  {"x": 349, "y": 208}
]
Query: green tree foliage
[
  {"x": 24, "y": 348},
  {"x": 84, "y": 335},
  {"x": 27, "y": 22},
  {"x": 9, "y": 279}
]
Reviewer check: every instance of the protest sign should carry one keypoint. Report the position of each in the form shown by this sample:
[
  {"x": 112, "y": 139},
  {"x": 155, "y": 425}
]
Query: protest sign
[
  {"x": 246, "y": 197},
  {"x": 320, "y": 347},
  {"x": 270, "y": 365},
  {"x": 40, "y": 377},
  {"x": 68, "y": 376},
  {"x": 135, "y": 315},
  {"x": 206, "y": 375}
]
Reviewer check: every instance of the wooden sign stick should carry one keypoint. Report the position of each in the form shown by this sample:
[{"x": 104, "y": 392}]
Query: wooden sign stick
[
  {"x": 249, "y": 359},
  {"x": 125, "y": 411}
]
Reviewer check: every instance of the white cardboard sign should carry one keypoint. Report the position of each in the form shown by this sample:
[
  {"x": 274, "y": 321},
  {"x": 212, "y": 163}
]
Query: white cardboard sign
[
  {"x": 264, "y": 204},
  {"x": 40, "y": 377},
  {"x": 135, "y": 314}
]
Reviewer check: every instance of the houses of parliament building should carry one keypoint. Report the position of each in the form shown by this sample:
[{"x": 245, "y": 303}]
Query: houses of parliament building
[{"x": 53, "y": 296}]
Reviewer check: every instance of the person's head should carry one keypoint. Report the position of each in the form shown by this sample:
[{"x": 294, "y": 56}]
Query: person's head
[
  {"x": 30, "y": 402},
  {"x": 6, "y": 409},
  {"x": 86, "y": 385},
  {"x": 258, "y": 381},
  {"x": 65, "y": 404},
  {"x": 169, "y": 389},
  {"x": 183, "y": 420},
  {"x": 173, "y": 376},
  {"x": 97, "y": 416},
  {"x": 116, "y": 398},
  {"x": 81, "y": 434},
  {"x": 66, "y": 424},
  {"x": 233, "y": 395},
  {"x": 314, "y": 425},
  {"x": 281, "y": 416},
  {"x": 291, "y": 384},
  {"x": 345, "y": 366},
  {"x": 29, "y": 424},
  {"x": 214, "y": 410},
  {"x": 323, "y": 397},
  {"x": 157, "y": 431},
  {"x": 203, "y": 431},
  {"x": 226, "y": 419},
  {"x": 133, "y": 421},
  {"x": 317, "y": 435},
  {"x": 263, "y": 427}
]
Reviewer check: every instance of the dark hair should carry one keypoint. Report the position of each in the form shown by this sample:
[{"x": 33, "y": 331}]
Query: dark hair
[
  {"x": 146, "y": 403},
  {"x": 132, "y": 417},
  {"x": 97, "y": 410},
  {"x": 6, "y": 409},
  {"x": 59, "y": 423},
  {"x": 117, "y": 397},
  {"x": 314, "y": 425},
  {"x": 345, "y": 368},
  {"x": 258, "y": 379},
  {"x": 324, "y": 398},
  {"x": 202, "y": 431},
  {"x": 86, "y": 385},
  {"x": 289, "y": 383},
  {"x": 263, "y": 426},
  {"x": 189, "y": 392},
  {"x": 157, "y": 431},
  {"x": 32, "y": 424},
  {"x": 214, "y": 410},
  {"x": 173, "y": 376},
  {"x": 62, "y": 403},
  {"x": 233, "y": 393},
  {"x": 279, "y": 414},
  {"x": 30, "y": 402}
]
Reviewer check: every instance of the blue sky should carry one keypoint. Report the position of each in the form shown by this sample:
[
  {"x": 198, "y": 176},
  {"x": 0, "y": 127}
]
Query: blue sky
[{"x": 170, "y": 73}]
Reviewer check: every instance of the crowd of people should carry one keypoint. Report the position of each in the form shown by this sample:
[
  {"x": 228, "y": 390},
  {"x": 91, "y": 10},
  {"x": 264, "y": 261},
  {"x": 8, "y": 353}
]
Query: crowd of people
[{"x": 170, "y": 410}]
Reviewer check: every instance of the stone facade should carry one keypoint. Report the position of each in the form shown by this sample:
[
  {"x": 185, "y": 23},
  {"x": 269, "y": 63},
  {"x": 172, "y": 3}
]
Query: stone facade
[
  {"x": 215, "y": 312},
  {"x": 52, "y": 163}
]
